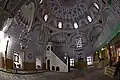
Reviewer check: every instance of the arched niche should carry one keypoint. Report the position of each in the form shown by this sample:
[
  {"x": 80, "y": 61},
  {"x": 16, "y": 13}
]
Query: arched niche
[
  {"x": 59, "y": 38},
  {"x": 26, "y": 14},
  {"x": 95, "y": 32}
]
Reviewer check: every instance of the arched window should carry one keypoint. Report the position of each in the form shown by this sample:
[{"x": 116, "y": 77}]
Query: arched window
[
  {"x": 75, "y": 25},
  {"x": 46, "y": 17},
  {"x": 40, "y": 2},
  {"x": 96, "y": 5},
  {"x": 89, "y": 18},
  {"x": 71, "y": 62},
  {"x": 60, "y": 25}
]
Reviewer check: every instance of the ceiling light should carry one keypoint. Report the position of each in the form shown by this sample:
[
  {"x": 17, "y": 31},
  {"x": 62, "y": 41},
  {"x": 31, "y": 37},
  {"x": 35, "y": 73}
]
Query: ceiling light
[
  {"x": 75, "y": 25},
  {"x": 89, "y": 18},
  {"x": 102, "y": 49},
  {"x": 60, "y": 24},
  {"x": 96, "y": 5},
  {"x": 111, "y": 46},
  {"x": 46, "y": 17}
]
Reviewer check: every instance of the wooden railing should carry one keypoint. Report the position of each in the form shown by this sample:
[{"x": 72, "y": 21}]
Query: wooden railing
[{"x": 109, "y": 71}]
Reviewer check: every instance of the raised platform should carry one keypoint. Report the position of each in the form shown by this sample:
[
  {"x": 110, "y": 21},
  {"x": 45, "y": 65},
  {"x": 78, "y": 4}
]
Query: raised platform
[{"x": 22, "y": 71}]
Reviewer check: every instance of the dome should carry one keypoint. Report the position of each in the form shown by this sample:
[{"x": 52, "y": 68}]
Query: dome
[
  {"x": 68, "y": 12},
  {"x": 67, "y": 3}
]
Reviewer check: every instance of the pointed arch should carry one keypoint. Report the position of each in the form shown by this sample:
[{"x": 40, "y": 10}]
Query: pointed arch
[
  {"x": 26, "y": 14},
  {"x": 58, "y": 37}
]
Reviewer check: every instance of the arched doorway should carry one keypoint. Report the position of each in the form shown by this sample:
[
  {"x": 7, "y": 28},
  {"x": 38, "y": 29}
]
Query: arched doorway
[
  {"x": 48, "y": 64},
  {"x": 57, "y": 68},
  {"x": 53, "y": 68}
]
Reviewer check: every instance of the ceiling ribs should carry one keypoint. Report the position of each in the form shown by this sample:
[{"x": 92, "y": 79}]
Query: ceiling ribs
[{"x": 18, "y": 7}]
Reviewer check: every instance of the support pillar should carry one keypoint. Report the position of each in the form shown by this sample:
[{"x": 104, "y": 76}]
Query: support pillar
[
  {"x": 98, "y": 55},
  {"x": 110, "y": 54}
]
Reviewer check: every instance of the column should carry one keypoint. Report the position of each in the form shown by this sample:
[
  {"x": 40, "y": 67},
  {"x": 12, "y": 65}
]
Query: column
[{"x": 110, "y": 54}]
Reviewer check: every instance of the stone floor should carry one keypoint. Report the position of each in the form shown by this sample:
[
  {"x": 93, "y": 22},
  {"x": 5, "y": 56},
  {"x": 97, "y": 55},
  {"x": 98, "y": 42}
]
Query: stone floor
[
  {"x": 95, "y": 74},
  {"x": 91, "y": 74}
]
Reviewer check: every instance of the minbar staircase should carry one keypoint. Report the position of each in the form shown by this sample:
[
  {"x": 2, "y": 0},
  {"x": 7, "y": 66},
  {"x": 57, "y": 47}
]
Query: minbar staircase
[
  {"x": 57, "y": 62},
  {"x": 59, "y": 56}
]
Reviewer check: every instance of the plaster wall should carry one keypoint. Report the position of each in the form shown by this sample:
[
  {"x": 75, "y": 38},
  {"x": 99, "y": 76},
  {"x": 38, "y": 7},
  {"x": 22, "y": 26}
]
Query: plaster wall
[{"x": 110, "y": 22}]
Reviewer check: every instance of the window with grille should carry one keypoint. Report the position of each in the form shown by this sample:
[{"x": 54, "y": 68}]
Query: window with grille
[
  {"x": 89, "y": 60},
  {"x": 16, "y": 57},
  {"x": 71, "y": 62}
]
